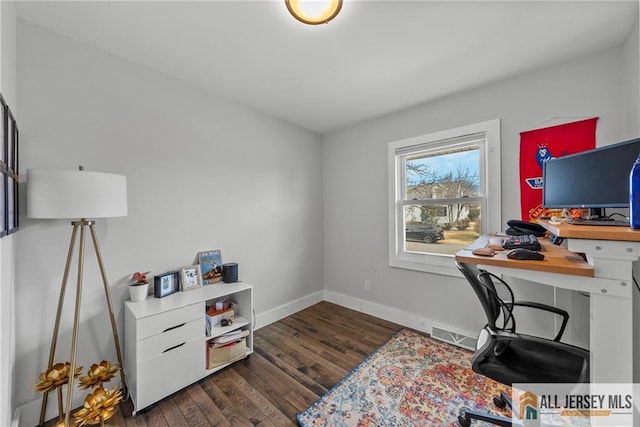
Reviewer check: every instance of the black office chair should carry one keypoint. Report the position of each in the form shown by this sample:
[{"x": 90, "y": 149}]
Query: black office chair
[{"x": 507, "y": 356}]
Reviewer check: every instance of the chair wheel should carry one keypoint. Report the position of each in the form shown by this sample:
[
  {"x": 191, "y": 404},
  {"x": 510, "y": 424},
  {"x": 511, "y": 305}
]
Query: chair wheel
[
  {"x": 499, "y": 402},
  {"x": 463, "y": 421}
]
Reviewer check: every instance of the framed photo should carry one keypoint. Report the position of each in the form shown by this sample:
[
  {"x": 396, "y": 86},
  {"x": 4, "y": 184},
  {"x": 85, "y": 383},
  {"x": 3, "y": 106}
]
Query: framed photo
[
  {"x": 13, "y": 139},
  {"x": 10, "y": 140},
  {"x": 190, "y": 277},
  {"x": 3, "y": 204},
  {"x": 3, "y": 132},
  {"x": 210, "y": 266},
  {"x": 166, "y": 284},
  {"x": 12, "y": 204}
]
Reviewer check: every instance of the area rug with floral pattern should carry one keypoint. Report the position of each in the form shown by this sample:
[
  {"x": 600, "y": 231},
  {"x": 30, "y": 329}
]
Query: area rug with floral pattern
[{"x": 411, "y": 380}]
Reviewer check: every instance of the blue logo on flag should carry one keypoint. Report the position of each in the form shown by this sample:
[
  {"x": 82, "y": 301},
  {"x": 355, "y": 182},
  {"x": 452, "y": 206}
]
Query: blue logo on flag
[
  {"x": 535, "y": 183},
  {"x": 543, "y": 154}
]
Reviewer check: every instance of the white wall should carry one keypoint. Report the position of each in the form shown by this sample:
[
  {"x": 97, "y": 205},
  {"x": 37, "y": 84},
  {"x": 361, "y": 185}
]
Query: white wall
[
  {"x": 631, "y": 72},
  {"x": 355, "y": 195},
  {"x": 7, "y": 244},
  {"x": 203, "y": 173}
]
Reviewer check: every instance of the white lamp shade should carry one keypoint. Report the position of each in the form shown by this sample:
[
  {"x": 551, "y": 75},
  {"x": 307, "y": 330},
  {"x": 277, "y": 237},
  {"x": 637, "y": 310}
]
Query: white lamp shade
[{"x": 75, "y": 194}]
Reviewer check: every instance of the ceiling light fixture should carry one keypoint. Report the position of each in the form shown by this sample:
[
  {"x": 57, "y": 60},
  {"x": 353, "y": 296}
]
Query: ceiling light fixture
[{"x": 314, "y": 12}]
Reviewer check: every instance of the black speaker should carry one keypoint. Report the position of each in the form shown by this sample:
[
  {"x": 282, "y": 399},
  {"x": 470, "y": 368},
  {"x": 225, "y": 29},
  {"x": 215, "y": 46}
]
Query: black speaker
[{"x": 230, "y": 272}]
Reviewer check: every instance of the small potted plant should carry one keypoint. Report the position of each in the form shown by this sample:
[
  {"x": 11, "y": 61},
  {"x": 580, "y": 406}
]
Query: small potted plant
[{"x": 139, "y": 286}]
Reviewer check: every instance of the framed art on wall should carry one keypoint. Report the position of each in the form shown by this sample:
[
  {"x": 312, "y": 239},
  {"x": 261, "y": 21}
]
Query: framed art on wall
[
  {"x": 12, "y": 143},
  {"x": 190, "y": 277},
  {"x": 3, "y": 126},
  {"x": 9, "y": 140},
  {"x": 3, "y": 204},
  {"x": 166, "y": 284},
  {"x": 12, "y": 207},
  {"x": 9, "y": 175}
]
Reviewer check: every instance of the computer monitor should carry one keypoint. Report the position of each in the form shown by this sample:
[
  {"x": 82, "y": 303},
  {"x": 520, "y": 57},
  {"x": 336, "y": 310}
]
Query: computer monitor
[{"x": 592, "y": 179}]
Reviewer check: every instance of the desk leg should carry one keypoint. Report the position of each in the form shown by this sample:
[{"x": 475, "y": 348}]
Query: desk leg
[
  {"x": 611, "y": 336},
  {"x": 611, "y": 329}
]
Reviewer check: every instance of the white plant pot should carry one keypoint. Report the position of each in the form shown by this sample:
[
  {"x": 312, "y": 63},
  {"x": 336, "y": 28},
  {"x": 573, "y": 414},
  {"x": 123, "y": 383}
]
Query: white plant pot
[{"x": 138, "y": 292}]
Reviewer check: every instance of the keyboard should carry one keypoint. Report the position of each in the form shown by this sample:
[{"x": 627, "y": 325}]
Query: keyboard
[
  {"x": 600, "y": 221},
  {"x": 527, "y": 241}
]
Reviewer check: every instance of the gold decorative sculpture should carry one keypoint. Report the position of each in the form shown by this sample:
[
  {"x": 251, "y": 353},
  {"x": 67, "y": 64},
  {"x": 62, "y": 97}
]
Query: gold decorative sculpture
[
  {"x": 98, "y": 407},
  {"x": 98, "y": 374},
  {"x": 53, "y": 379}
]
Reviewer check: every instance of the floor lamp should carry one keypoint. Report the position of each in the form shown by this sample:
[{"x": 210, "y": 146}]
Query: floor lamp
[{"x": 78, "y": 195}]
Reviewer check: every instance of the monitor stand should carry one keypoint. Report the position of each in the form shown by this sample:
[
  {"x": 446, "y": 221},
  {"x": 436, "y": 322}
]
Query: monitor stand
[{"x": 595, "y": 213}]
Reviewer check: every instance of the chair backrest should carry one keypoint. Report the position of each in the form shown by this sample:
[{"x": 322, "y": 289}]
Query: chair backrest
[{"x": 496, "y": 301}]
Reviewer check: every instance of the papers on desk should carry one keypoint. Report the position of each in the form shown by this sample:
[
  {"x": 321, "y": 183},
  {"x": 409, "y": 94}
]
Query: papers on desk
[
  {"x": 493, "y": 242},
  {"x": 480, "y": 242}
]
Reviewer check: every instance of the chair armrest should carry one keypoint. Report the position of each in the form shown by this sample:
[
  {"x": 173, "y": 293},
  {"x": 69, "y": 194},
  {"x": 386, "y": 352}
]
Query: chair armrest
[
  {"x": 513, "y": 336},
  {"x": 545, "y": 307}
]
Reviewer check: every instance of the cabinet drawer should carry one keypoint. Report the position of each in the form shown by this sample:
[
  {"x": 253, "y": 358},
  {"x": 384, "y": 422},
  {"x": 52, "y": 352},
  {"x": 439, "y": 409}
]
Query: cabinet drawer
[
  {"x": 154, "y": 325},
  {"x": 157, "y": 344},
  {"x": 169, "y": 372}
]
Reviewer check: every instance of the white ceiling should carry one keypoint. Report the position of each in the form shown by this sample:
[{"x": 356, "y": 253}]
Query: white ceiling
[{"x": 376, "y": 57}]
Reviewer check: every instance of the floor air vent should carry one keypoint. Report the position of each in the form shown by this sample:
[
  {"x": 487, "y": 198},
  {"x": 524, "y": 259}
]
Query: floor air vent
[{"x": 454, "y": 338}]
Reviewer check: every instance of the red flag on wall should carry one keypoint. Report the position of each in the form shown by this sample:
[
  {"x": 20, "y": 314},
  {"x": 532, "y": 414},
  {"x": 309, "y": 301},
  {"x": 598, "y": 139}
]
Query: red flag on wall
[{"x": 539, "y": 145}]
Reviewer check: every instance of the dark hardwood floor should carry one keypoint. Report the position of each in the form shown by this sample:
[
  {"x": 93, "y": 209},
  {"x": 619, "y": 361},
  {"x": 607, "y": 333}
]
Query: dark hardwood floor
[{"x": 295, "y": 361}]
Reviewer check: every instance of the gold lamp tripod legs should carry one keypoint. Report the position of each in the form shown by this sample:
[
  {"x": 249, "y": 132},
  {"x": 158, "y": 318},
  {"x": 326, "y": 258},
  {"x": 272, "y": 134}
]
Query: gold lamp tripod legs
[{"x": 81, "y": 226}]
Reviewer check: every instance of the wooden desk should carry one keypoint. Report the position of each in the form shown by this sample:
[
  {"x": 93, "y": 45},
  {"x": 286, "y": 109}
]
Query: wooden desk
[
  {"x": 594, "y": 232},
  {"x": 557, "y": 259},
  {"x": 612, "y": 253}
]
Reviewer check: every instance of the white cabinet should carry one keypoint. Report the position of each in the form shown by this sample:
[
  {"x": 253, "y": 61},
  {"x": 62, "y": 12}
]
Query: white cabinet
[{"x": 166, "y": 342}]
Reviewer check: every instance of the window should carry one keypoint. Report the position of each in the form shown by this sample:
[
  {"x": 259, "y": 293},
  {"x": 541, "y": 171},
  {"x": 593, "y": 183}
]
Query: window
[{"x": 444, "y": 192}]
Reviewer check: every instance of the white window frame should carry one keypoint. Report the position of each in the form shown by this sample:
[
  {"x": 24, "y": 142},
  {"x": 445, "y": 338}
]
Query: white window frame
[{"x": 490, "y": 167}]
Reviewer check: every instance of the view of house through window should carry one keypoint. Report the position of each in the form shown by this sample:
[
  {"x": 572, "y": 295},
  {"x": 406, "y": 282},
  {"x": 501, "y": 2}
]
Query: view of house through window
[{"x": 442, "y": 197}]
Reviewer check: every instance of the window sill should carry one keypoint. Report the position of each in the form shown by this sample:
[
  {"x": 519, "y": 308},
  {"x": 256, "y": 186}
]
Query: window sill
[{"x": 435, "y": 264}]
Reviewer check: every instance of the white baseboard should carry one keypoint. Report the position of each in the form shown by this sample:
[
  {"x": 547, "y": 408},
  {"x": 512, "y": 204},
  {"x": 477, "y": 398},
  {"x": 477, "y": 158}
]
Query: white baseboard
[
  {"x": 15, "y": 421},
  {"x": 277, "y": 313},
  {"x": 420, "y": 323},
  {"x": 29, "y": 413}
]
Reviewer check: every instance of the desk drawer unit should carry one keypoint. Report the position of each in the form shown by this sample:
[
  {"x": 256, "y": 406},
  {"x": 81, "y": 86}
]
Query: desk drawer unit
[
  {"x": 164, "y": 352},
  {"x": 171, "y": 370},
  {"x": 165, "y": 344},
  {"x": 168, "y": 320}
]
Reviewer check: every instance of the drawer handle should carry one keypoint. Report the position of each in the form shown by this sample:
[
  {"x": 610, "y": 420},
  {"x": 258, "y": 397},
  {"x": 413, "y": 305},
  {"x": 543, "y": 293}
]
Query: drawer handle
[
  {"x": 174, "y": 347},
  {"x": 174, "y": 327}
]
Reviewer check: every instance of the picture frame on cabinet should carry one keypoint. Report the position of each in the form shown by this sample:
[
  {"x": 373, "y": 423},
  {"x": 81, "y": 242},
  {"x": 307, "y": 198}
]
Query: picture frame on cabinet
[
  {"x": 166, "y": 284},
  {"x": 190, "y": 277},
  {"x": 210, "y": 266}
]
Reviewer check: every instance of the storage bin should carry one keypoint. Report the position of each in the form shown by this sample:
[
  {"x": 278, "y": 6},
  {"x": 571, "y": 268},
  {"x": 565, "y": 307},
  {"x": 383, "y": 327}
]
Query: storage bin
[
  {"x": 215, "y": 316},
  {"x": 217, "y": 356}
]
